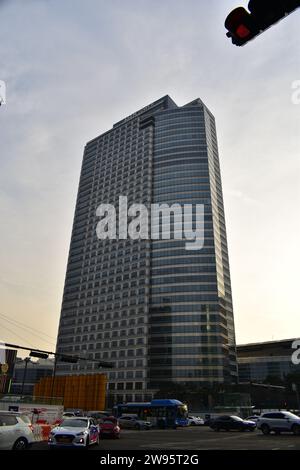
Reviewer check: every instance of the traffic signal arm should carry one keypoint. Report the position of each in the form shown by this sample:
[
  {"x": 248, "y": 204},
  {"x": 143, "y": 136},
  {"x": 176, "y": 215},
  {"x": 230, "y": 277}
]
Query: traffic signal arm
[{"x": 243, "y": 26}]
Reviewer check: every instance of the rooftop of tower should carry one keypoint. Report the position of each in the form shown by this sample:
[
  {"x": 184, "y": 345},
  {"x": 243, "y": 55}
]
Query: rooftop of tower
[{"x": 163, "y": 103}]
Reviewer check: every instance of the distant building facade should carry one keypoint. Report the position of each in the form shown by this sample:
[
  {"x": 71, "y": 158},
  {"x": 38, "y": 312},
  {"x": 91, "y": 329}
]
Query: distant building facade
[
  {"x": 257, "y": 362},
  {"x": 30, "y": 374}
]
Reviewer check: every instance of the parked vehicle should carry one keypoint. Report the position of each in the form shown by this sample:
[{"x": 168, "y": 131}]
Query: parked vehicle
[
  {"x": 133, "y": 422},
  {"x": 232, "y": 423},
  {"x": 16, "y": 431},
  {"x": 195, "y": 421},
  {"x": 75, "y": 432},
  {"x": 110, "y": 427},
  {"x": 281, "y": 421}
]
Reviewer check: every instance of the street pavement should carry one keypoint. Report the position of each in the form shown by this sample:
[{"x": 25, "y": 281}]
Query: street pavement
[{"x": 193, "y": 438}]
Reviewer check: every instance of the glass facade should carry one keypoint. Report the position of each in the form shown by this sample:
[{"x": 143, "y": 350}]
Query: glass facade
[
  {"x": 260, "y": 362},
  {"x": 191, "y": 330},
  {"x": 154, "y": 309},
  {"x": 34, "y": 372}
]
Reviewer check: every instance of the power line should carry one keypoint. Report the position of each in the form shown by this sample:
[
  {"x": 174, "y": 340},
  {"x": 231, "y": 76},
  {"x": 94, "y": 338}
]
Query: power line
[
  {"x": 14, "y": 333},
  {"x": 24, "y": 328}
]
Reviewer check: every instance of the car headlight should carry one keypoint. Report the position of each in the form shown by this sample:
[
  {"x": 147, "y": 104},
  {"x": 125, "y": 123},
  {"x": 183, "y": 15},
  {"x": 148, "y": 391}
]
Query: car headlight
[{"x": 80, "y": 434}]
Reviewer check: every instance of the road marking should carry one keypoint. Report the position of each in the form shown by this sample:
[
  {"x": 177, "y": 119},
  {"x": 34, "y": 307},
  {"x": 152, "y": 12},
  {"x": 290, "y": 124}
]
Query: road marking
[{"x": 276, "y": 448}]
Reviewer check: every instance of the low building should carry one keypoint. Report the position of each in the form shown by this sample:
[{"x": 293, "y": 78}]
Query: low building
[
  {"x": 260, "y": 362},
  {"x": 27, "y": 373}
]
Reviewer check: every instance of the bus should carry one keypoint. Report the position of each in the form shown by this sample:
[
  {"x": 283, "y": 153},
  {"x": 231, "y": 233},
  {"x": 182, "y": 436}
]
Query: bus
[{"x": 163, "y": 413}]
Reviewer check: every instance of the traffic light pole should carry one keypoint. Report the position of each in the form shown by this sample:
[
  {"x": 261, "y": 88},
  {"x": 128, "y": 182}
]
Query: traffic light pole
[{"x": 53, "y": 378}]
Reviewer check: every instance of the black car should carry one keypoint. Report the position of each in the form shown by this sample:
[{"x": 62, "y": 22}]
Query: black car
[{"x": 232, "y": 423}]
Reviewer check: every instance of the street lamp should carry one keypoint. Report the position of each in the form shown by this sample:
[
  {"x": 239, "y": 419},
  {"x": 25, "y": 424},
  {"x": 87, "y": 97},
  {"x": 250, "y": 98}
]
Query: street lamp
[{"x": 27, "y": 359}]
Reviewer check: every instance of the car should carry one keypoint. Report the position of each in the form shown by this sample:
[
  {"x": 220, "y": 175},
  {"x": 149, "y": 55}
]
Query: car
[
  {"x": 280, "y": 421},
  {"x": 98, "y": 416},
  {"x": 12, "y": 398},
  {"x": 75, "y": 432},
  {"x": 16, "y": 431},
  {"x": 231, "y": 423},
  {"x": 110, "y": 428},
  {"x": 133, "y": 422},
  {"x": 68, "y": 414},
  {"x": 74, "y": 412},
  {"x": 195, "y": 421},
  {"x": 252, "y": 418}
]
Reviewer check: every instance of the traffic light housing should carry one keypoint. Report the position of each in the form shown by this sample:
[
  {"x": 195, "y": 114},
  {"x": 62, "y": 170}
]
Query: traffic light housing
[{"x": 243, "y": 26}]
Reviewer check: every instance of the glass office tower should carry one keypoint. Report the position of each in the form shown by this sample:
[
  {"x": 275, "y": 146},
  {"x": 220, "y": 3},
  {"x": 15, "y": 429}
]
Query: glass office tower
[{"x": 159, "y": 312}]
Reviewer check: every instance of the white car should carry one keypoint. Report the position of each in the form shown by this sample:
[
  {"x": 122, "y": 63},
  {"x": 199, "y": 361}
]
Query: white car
[
  {"x": 195, "y": 421},
  {"x": 280, "y": 421},
  {"x": 74, "y": 432},
  {"x": 16, "y": 432}
]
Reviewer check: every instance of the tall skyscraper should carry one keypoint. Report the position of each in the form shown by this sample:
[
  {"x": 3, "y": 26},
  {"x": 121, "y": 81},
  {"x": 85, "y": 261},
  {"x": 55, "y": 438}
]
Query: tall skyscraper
[{"x": 159, "y": 312}]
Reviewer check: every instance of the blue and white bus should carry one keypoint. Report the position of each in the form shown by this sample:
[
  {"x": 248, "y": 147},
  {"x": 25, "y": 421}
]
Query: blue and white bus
[{"x": 164, "y": 413}]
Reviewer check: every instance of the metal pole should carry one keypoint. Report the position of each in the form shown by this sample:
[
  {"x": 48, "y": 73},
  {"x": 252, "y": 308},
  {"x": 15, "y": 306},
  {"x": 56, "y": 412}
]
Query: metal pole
[
  {"x": 53, "y": 377},
  {"x": 27, "y": 359}
]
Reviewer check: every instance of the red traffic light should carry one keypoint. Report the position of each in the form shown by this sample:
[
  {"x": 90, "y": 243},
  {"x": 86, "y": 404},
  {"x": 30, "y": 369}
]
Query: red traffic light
[
  {"x": 240, "y": 25},
  {"x": 243, "y": 26}
]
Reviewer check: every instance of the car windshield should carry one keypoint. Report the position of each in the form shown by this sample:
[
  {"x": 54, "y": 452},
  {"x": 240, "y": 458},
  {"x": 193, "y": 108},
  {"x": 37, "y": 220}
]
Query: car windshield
[
  {"x": 290, "y": 415},
  {"x": 74, "y": 423},
  {"x": 108, "y": 422},
  {"x": 236, "y": 418}
]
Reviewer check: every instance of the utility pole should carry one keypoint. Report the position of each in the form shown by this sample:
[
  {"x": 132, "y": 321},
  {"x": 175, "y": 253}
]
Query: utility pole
[
  {"x": 27, "y": 359},
  {"x": 53, "y": 377}
]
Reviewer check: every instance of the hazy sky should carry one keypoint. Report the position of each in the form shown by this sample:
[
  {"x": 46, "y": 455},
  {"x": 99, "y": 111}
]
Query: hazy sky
[{"x": 73, "y": 68}]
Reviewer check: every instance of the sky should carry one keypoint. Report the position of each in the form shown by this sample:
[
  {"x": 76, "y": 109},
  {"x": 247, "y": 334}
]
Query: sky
[{"x": 72, "y": 69}]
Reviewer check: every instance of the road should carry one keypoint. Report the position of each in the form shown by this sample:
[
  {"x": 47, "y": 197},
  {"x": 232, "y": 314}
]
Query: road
[{"x": 194, "y": 438}]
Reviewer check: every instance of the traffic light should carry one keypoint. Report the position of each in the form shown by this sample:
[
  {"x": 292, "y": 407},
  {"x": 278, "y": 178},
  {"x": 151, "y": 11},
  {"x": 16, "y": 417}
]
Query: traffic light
[{"x": 243, "y": 26}]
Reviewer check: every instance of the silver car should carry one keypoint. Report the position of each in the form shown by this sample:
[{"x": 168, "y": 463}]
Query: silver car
[
  {"x": 279, "y": 421},
  {"x": 15, "y": 431},
  {"x": 195, "y": 421},
  {"x": 74, "y": 432},
  {"x": 133, "y": 422}
]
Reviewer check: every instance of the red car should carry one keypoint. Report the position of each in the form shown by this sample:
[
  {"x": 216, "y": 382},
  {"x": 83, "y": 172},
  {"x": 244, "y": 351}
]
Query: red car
[{"x": 110, "y": 427}]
